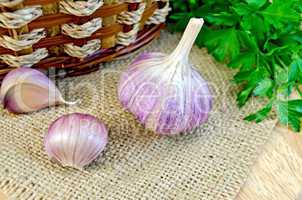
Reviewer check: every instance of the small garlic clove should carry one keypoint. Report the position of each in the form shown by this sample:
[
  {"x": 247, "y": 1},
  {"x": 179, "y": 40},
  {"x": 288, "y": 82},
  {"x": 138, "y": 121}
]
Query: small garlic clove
[
  {"x": 27, "y": 90},
  {"x": 165, "y": 92},
  {"x": 75, "y": 140}
]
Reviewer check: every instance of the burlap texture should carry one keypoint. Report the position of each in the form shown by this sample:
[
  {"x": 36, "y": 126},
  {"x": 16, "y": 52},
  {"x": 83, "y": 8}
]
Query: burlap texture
[{"x": 210, "y": 163}]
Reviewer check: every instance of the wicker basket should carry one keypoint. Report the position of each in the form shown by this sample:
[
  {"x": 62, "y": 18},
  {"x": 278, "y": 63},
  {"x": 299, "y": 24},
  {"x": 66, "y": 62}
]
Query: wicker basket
[{"x": 73, "y": 37}]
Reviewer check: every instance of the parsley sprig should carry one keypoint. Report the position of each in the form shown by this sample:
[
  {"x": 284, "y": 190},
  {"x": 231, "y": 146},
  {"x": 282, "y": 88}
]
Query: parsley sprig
[{"x": 261, "y": 39}]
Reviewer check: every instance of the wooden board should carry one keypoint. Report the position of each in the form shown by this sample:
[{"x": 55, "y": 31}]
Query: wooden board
[
  {"x": 3, "y": 196},
  {"x": 277, "y": 174}
]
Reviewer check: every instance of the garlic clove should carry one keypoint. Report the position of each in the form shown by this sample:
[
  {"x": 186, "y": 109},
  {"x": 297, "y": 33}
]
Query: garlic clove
[
  {"x": 165, "y": 92},
  {"x": 27, "y": 90},
  {"x": 12, "y": 79},
  {"x": 75, "y": 140}
]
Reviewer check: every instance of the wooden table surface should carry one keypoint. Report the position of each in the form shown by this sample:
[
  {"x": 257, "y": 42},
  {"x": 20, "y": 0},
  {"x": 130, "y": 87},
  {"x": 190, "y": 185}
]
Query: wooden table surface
[{"x": 277, "y": 175}]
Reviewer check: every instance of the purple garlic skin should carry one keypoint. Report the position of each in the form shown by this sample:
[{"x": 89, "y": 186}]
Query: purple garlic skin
[
  {"x": 26, "y": 90},
  {"x": 75, "y": 140},
  {"x": 165, "y": 92}
]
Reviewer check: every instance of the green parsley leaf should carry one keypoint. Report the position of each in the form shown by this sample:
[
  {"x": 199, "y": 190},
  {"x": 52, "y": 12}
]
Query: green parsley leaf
[
  {"x": 182, "y": 21},
  {"x": 256, "y": 3},
  {"x": 263, "y": 87},
  {"x": 251, "y": 78},
  {"x": 295, "y": 70},
  {"x": 280, "y": 12},
  {"x": 244, "y": 60},
  {"x": 223, "y": 18},
  {"x": 280, "y": 74},
  {"x": 254, "y": 23},
  {"x": 244, "y": 94},
  {"x": 193, "y": 3},
  {"x": 222, "y": 43},
  {"x": 252, "y": 75},
  {"x": 247, "y": 41},
  {"x": 242, "y": 9},
  {"x": 284, "y": 90},
  {"x": 261, "y": 114},
  {"x": 289, "y": 113}
]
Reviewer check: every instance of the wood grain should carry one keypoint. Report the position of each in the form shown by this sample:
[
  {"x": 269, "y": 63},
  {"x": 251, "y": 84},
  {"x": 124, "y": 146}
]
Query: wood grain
[
  {"x": 277, "y": 174},
  {"x": 3, "y": 196}
]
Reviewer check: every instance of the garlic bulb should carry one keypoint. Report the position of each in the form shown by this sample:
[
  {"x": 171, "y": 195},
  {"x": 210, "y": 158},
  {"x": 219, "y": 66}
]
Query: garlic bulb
[
  {"x": 165, "y": 92},
  {"x": 25, "y": 90},
  {"x": 75, "y": 140}
]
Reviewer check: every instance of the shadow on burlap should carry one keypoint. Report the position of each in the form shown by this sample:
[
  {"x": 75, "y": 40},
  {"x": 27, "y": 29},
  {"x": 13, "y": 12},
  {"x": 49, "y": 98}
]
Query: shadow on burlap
[{"x": 211, "y": 163}]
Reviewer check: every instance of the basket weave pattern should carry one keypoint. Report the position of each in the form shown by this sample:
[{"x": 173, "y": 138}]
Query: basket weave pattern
[{"x": 74, "y": 36}]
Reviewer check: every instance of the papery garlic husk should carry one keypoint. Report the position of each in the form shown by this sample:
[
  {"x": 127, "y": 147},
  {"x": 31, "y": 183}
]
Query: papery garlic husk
[
  {"x": 165, "y": 92},
  {"x": 75, "y": 140},
  {"x": 25, "y": 90}
]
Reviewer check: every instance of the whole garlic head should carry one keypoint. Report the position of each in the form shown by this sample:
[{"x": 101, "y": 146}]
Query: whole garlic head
[{"x": 165, "y": 92}]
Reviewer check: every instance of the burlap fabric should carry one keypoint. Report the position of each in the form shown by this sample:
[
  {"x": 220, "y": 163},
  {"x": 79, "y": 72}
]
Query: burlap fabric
[{"x": 210, "y": 163}]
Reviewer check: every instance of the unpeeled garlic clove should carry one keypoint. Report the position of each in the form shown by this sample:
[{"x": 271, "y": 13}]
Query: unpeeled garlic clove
[
  {"x": 75, "y": 140},
  {"x": 25, "y": 90}
]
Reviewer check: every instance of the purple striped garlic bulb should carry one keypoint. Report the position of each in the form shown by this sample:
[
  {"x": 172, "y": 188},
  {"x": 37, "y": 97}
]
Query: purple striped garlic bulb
[
  {"x": 75, "y": 140},
  {"x": 165, "y": 92},
  {"x": 26, "y": 90}
]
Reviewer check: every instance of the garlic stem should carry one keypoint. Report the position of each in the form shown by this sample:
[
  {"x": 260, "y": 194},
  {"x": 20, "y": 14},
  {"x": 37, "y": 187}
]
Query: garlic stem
[{"x": 186, "y": 43}]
